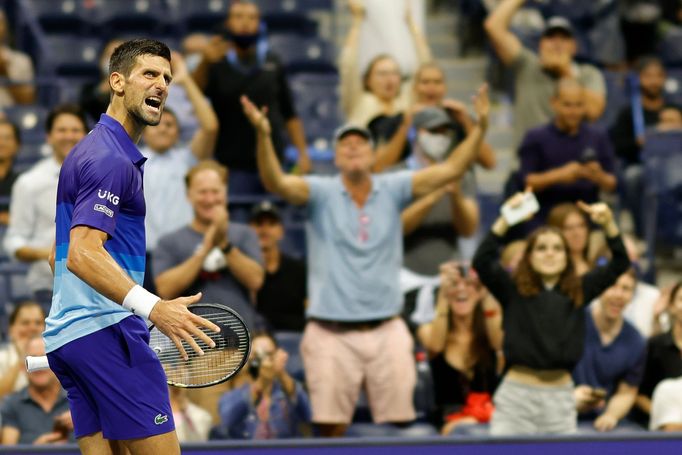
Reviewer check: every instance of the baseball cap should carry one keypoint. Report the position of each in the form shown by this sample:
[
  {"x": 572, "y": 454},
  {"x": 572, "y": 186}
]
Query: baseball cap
[
  {"x": 431, "y": 118},
  {"x": 265, "y": 209},
  {"x": 558, "y": 24},
  {"x": 349, "y": 128}
]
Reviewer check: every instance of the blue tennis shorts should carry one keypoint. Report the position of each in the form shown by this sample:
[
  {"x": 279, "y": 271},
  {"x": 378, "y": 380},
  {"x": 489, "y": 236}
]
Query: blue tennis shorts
[{"x": 115, "y": 383}]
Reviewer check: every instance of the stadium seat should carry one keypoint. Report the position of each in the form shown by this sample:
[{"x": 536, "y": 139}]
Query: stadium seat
[
  {"x": 73, "y": 56},
  {"x": 317, "y": 103},
  {"x": 662, "y": 205},
  {"x": 13, "y": 282},
  {"x": 60, "y": 16},
  {"x": 303, "y": 54},
  {"x": 616, "y": 97},
  {"x": 113, "y": 18},
  {"x": 31, "y": 122},
  {"x": 290, "y": 22},
  {"x": 670, "y": 49},
  {"x": 673, "y": 86},
  {"x": 291, "y": 343},
  {"x": 199, "y": 15}
]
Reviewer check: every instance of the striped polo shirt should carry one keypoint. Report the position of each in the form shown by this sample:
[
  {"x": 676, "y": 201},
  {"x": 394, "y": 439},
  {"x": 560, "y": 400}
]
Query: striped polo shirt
[{"x": 100, "y": 186}]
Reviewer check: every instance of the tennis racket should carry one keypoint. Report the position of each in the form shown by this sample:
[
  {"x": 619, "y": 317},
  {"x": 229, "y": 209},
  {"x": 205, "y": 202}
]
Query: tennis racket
[{"x": 217, "y": 365}]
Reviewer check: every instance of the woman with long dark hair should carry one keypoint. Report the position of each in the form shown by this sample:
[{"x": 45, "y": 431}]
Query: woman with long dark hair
[
  {"x": 575, "y": 226},
  {"x": 459, "y": 344},
  {"x": 544, "y": 322}
]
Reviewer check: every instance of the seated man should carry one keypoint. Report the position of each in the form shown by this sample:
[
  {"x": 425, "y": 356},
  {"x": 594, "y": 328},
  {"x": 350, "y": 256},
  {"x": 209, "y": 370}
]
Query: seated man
[
  {"x": 612, "y": 365},
  {"x": 566, "y": 160},
  {"x": 39, "y": 413},
  {"x": 31, "y": 230},
  {"x": 272, "y": 405},
  {"x": 10, "y": 140},
  {"x": 666, "y": 408},
  {"x": 16, "y": 68},
  {"x": 211, "y": 255},
  {"x": 282, "y": 299}
]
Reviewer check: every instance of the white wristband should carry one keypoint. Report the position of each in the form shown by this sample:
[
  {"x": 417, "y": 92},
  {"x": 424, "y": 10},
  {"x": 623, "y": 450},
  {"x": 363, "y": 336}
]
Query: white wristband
[{"x": 140, "y": 301}]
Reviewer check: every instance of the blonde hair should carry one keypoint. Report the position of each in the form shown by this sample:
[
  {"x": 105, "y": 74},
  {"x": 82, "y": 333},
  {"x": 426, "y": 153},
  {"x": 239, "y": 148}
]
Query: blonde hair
[{"x": 207, "y": 165}]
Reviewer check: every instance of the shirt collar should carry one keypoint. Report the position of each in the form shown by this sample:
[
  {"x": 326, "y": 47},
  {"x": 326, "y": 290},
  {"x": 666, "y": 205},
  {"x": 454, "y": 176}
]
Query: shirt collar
[
  {"x": 554, "y": 128},
  {"x": 375, "y": 184},
  {"x": 24, "y": 396},
  {"x": 123, "y": 139}
]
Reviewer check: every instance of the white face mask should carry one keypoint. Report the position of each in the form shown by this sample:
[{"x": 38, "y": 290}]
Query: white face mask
[{"x": 435, "y": 146}]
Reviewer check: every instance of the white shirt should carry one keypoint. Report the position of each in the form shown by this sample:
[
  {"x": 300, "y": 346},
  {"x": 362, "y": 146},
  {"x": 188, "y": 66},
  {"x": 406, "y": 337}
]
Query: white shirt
[
  {"x": 640, "y": 311},
  {"x": 193, "y": 424},
  {"x": 164, "y": 192},
  {"x": 32, "y": 214},
  {"x": 666, "y": 404},
  {"x": 19, "y": 69},
  {"x": 8, "y": 358}
]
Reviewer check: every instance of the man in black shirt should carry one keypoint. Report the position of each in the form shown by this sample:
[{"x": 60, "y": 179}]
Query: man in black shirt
[
  {"x": 237, "y": 64},
  {"x": 282, "y": 298},
  {"x": 10, "y": 140}
]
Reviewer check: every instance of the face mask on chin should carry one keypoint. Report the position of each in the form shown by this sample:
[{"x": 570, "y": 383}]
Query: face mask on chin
[{"x": 435, "y": 146}]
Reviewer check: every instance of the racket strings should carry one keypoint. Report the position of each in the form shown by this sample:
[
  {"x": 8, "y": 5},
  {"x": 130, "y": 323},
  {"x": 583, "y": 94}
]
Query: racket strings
[{"x": 217, "y": 364}]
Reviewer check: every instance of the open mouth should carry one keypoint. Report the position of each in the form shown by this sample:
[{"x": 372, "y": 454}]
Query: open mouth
[{"x": 153, "y": 102}]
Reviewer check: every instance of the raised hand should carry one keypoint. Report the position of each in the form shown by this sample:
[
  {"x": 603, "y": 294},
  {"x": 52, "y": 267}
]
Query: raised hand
[
  {"x": 175, "y": 321},
  {"x": 257, "y": 117},
  {"x": 179, "y": 68},
  {"x": 599, "y": 213},
  {"x": 357, "y": 9}
]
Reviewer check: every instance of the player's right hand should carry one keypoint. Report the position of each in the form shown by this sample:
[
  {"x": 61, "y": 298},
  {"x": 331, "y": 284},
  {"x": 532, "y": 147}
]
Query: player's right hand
[{"x": 175, "y": 321}]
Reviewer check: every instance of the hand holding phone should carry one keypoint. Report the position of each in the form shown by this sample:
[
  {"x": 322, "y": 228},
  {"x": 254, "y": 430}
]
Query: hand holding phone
[{"x": 520, "y": 207}]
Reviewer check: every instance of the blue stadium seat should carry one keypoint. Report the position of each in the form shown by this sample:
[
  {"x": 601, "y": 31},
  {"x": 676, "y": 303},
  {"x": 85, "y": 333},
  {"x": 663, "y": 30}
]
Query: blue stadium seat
[
  {"x": 303, "y": 54},
  {"x": 60, "y": 16},
  {"x": 294, "y": 6},
  {"x": 13, "y": 282},
  {"x": 73, "y": 56},
  {"x": 662, "y": 205},
  {"x": 29, "y": 154},
  {"x": 317, "y": 103},
  {"x": 673, "y": 86},
  {"x": 290, "y": 22},
  {"x": 31, "y": 121},
  {"x": 670, "y": 49},
  {"x": 617, "y": 97},
  {"x": 114, "y": 18},
  {"x": 199, "y": 15},
  {"x": 291, "y": 343}
]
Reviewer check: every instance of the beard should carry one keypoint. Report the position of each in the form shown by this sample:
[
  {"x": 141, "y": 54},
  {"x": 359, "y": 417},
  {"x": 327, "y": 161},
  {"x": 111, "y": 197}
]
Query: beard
[{"x": 143, "y": 117}]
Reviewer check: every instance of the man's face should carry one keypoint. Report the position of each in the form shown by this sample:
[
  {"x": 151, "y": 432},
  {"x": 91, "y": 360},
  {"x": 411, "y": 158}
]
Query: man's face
[
  {"x": 8, "y": 142},
  {"x": 29, "y": 323},
  {"x": 269, "y": 230},
  {"x": 67, "y": 130},
  {"x": 616, "y": 298},
  {"x": 354, "y": 154},
  {"x": 652, "y": 80},
  {"x": 556, "y": 43},
  {"x": 244, "y": 19},
  {"x": 163, "y": 136},
  {"x": 207, "y": 193},
  {"x": 430, "y": 87},
  {"x": 146, "y": 89},
  {"x": 569, "y": 107}
]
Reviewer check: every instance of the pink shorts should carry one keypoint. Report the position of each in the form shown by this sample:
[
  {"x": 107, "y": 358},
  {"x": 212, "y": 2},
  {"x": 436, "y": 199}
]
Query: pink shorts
[{"x": 339, "y": 361}]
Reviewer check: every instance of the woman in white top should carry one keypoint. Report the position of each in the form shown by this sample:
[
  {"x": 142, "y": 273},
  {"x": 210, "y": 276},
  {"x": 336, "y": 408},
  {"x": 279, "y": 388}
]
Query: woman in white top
[{"x": 26, "y": 321}]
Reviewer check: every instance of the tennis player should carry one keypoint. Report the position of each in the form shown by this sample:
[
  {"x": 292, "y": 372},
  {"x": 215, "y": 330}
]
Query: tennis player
[{"x": 96, "y": 336}]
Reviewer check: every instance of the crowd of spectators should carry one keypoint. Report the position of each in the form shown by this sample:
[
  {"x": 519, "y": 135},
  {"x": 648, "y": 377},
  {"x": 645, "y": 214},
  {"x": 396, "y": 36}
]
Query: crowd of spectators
[{"x": 549, "y": 328}]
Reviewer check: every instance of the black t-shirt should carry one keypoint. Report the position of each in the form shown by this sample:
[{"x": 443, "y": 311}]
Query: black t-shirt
[
  {"x": 266, "y": 85},
  {"x": 664, "y": 361},
  {"x": 623, "y": 134},
  {"x": 6, "y": 190},
  {"x": 545, "y": 331},
  {"x": 281, "y": 300}
]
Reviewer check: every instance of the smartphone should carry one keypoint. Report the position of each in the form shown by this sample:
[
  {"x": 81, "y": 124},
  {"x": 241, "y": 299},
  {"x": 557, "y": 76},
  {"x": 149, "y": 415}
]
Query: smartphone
[{"x": 528, "y": 206}]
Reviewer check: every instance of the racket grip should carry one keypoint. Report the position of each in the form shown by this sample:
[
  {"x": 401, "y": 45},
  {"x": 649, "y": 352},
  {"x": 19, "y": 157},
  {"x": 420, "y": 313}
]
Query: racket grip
[{"x": 36, "y": 363}]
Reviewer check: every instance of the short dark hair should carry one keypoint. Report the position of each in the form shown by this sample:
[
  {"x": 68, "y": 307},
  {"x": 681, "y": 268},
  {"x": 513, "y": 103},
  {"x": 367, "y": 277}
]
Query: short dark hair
[
  {"x": 124, "y": 57},
  {"x": 71, "y": 109},
  {"x": 646, "y": 61},
  {"x": 20, "y": 306},
  {"x": 15, "y": 129}
]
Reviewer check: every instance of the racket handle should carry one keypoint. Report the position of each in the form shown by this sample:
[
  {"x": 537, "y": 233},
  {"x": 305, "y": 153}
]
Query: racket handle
[{"x": 36, "y": 363}]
